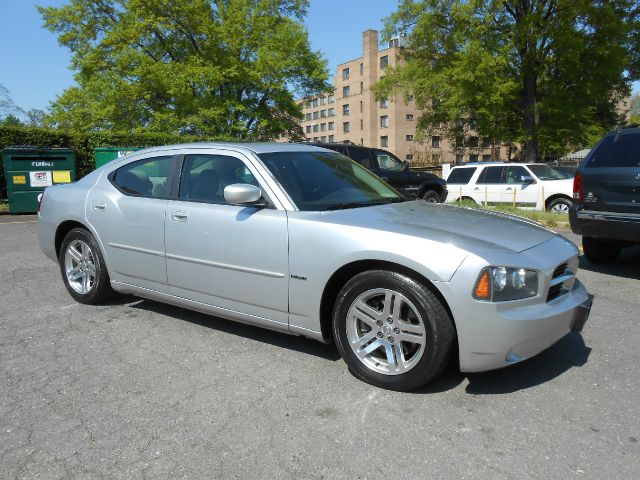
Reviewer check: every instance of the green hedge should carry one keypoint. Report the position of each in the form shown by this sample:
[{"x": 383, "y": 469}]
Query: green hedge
[{"x": 83, "y": 143}]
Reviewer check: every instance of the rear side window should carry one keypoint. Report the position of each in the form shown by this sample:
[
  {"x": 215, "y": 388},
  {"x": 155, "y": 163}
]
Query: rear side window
[
  {"x": 362, "y": 156},
  {"x": 492, "y": 175},
  {"x": 145, "y": 178},
  {"x": 461, "y": 176},
  {"x": 621, "y": 150}
]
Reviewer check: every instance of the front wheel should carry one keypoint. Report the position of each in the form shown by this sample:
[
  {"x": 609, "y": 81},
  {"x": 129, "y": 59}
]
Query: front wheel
[
  {"x": 560, "y": 205},
  {"x": 431, "y": 196},
  {"x": 392, "y": 331},
  {"x": 83, "y": 270}
]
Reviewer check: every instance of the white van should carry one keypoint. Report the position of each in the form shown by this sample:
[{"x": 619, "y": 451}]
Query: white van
[{"x": 534, "y": 186}]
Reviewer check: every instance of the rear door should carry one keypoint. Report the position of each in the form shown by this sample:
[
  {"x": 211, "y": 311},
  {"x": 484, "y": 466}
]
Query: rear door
[
  {"x": 611, "y": 174},
  {"x": 490, "y": 186}
]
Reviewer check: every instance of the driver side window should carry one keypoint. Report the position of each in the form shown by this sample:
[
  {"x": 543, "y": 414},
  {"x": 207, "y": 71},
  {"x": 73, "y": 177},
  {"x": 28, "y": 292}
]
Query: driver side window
[{"x": 387, "y": 162}]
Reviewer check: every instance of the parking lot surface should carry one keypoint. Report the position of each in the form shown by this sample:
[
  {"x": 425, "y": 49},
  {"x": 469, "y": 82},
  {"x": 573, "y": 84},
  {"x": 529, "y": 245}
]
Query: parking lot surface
[{"x": 137, "y": 389}]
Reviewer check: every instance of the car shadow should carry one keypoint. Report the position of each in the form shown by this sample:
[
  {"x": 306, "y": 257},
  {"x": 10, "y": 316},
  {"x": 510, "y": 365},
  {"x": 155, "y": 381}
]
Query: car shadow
[
  {"x": 568, "y": 353},
  {"x": 277, "y": 339},
  {"x": 627, "y": 265}
]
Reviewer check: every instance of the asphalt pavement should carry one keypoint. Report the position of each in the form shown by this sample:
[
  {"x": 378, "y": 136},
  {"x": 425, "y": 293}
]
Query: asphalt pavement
[{"x": 137, "y": 389}]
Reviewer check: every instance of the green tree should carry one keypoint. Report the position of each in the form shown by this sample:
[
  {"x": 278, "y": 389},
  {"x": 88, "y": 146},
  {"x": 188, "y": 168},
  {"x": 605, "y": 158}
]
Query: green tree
[
  {"x": 543, "y": 73},
  {"x": 11, "y": 121},
  {"x": 223, "y": 68}
]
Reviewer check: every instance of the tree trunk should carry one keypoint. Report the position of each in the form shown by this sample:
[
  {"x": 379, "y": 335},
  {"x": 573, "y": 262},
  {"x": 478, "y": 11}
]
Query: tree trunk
[{"x": 529, "y": 120}]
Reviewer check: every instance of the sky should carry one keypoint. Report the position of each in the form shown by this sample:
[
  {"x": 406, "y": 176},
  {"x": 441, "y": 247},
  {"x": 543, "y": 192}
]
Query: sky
[{"x": 34, "y": 68}]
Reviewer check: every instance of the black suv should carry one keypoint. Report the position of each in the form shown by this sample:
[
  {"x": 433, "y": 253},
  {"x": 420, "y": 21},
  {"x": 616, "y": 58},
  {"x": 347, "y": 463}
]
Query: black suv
[
  {"x": 395, "y": 172},
  {"x": 606, "y": 192}
]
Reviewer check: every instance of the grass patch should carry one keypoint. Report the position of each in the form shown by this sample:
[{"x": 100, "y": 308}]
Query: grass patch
[{"x": 545, "y": 218}]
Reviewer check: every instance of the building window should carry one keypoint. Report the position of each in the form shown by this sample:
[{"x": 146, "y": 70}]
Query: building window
[
  {"x": 315, "y": 102},
  {"x": 384, "y": 62},
  {"x": 331, "y": 98},
  {"x": 459, "y": 142},
  {"x": 360, "y": 106},
  {"x": 408, "y": 98},
  {"x": 316, "y": 139},
  {"x": 362, "y": 69},
  {"x": 316, "y": 115},
  {"x": 361, "y": 124},
  {"x": 323, "y": 127},
  {"x": 308, "y": 140},
  {"x": 315, "y": 127},
  {"x": 346, "y": 127},
  {"x": 345, "y": 109},
  {"x": 473, "y": 142},
  {"x": 332, "y": 112},
  {"x": 409, "y": 138},
  {"x": 323, "y": 139},
  {"x": 384, "y": 141},
  {"x": 409, "y": 117},
  {"x": 345, "y": 73},
  {"x": 346, "y": 91},
  {"x": 323, "y": 114},
  {"x": 384, "y": 121},
  {"x": 308, "y": 128},
  {"x": 435, "y": 158},
  {"x": 361, "y": 87},
  {"x": 435, "y": 141},
  {"x": 486, "y": 143},
  {"x": 308, "y": 103},
  {"x": 331, "y": 125},
  {"x": 409, "y": 156},
  {"x": 308, "y": 116},
  {"x": 459, "y": 158},
  {"x": 323, "y": 100},
  {"x": 473, "y": 158},
  {"x": 486, "y": 157},
  {"x": 332, "y": 138},
  {"x": 384, "y": 103}
]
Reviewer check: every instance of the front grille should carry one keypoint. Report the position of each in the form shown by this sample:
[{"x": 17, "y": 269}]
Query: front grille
[{"x": 560, "y": 287}]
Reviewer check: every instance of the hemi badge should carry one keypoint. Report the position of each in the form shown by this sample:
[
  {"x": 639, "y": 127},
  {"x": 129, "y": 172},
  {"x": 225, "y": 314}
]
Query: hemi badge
[{"x": 298, "y": 277}]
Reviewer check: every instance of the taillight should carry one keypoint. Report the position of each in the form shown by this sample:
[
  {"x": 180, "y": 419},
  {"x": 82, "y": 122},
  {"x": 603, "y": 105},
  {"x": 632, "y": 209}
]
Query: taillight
[
  {"x": 578, "y": 194},
  {"x": 40, "y": 197}
]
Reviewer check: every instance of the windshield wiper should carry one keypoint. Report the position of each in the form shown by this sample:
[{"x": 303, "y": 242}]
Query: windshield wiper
[{"x": 368, "y": 203}]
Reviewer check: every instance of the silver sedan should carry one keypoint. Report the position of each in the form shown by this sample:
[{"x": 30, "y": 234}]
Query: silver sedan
[{"x": 302, "y": 240}]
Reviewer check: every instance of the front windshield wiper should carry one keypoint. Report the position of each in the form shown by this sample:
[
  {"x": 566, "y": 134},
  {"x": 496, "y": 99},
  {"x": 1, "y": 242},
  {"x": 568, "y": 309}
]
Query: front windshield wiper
[{"x": 368, "y": 203}]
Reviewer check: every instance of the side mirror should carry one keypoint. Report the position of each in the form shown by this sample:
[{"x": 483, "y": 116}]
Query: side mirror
[
  {"x": 526, "y": 179},
  {"x": 405, "y": 166},
  {"x": 244, "y": 194}
]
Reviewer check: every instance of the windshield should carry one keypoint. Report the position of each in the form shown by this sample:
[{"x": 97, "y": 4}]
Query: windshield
[
  {"x": 327, "y": 181},
  {"x": 545, "y": 172}
]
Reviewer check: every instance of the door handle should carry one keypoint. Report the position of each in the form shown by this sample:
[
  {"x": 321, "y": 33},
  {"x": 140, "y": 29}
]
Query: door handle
[
  {"x": 179, "y": 216},
  {"x": 99, "y": 206},
  {"x": 476, "y": 189},
  {"x": 508, "y": 189}
]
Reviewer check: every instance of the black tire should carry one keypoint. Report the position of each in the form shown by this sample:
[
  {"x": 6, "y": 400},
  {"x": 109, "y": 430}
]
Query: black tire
[
  {"x": 431, "y": 196},
  {"x": 100, "y": 288},
  {"x": 438, "y": 327},
  {"x": 598, "y": 250},
  {"x": 559, "y": 205}
]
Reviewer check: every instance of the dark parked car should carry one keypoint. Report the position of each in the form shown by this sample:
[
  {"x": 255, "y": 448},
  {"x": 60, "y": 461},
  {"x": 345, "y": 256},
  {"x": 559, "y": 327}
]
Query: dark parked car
[
  {"x": 607, "y": 196},
  {"x": 394, "y": 171}
]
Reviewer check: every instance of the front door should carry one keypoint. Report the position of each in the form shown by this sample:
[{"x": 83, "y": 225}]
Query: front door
[
  {"x": 227, "y": 256},
  {"x": 523, "y": 194}
]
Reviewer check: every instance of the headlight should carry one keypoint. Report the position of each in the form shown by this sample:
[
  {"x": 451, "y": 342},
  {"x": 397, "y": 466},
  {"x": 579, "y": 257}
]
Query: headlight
[{"x": 499, "y": 284}]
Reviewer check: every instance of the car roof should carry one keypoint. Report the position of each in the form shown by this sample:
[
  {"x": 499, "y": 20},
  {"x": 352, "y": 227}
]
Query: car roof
[{"x": 257, "y": 148}]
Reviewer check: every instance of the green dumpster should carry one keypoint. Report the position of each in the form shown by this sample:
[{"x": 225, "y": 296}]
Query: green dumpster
[
  {"x": 105, "y": 154},
  {"x": 29, "y": 170}
]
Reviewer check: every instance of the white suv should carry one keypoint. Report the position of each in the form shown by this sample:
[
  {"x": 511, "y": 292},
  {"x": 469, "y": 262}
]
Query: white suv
[{"x": 527, "y": 185}]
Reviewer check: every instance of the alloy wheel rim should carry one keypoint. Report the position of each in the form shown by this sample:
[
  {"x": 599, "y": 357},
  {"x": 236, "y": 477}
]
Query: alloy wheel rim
[
  {"x": 80, "y": 267},
  {"x": 385, "y": 331},
  {"x": 560, "y": 208}
]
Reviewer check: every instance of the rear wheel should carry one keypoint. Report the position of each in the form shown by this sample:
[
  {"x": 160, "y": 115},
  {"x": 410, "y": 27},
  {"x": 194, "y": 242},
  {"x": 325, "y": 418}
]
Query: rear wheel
[
  {"x": 598, "y": 250},
  {"x": 392, "y": 331},
  {"x": 559, "y": 205},
  {"x": 83, "y": 269},
  {"x": 431, "y": 196}
]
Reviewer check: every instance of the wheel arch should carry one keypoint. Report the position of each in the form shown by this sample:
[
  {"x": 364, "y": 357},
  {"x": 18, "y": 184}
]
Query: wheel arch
[
  {"x": 428, "y": 185},
  {"x": 64, "y": 228},
  {"x": 555, "y": 196},
  {"x": 341, "y": 276}
]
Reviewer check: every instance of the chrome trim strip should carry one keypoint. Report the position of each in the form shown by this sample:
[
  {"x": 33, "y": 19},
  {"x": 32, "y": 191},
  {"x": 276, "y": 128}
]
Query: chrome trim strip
[
  {"x": 560, "y": 279},
  {"x": 136, "y": 249},
  {"x": 225, "y": 266},
  {"x": 609, "y": 216}
]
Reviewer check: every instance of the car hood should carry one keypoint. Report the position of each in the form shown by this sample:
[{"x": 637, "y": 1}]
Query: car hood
[{"x": 467, "y": 228}]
